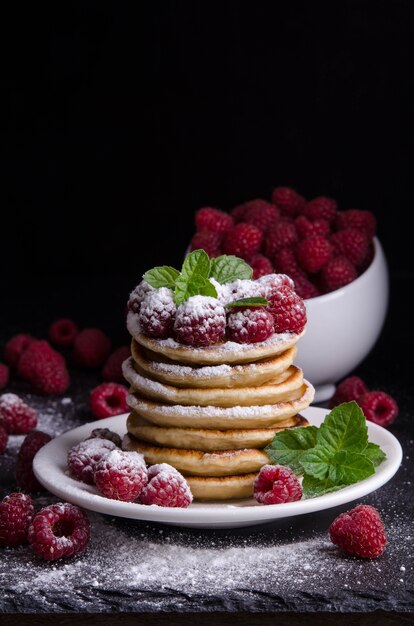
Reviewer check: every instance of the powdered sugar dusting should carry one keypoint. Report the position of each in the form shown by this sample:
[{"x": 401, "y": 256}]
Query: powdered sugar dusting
[
  {"x": 8, "y": 400},
  {"x": 184, "y": 370}
]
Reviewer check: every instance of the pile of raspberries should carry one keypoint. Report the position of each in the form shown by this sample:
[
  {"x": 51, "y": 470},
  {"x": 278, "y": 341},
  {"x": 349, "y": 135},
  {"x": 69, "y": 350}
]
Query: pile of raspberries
[{"x": 319, "y": 247}]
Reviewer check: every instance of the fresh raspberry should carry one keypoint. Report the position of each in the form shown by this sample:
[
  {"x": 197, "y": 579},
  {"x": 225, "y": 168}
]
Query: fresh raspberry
[
  {"x": 59, "y": 531},
  {"x": 243, "y": 240},
  {"x": 288, "y": 200},
  {"x": 44, "y": 368},
  {"x": 121, "y": 475},
  {"x": 4, "y": 375},
  {"x": 272, "y": 283},
  {"x": 314, "y": 253},
  {"x": 84, "y": 456},
  {"x": 200, "y": 321},
  {"x": 337, "y": 273},
  {"x": 24, "y": 470},
  {"x": 166, "y": 487},
  {"x": 261, "y": 214},
  {"x": 368, "y": 259},
  {"x": 276, "y": 484},
  {"x": 137, "y": 295},
  {"x": 16, "y": 417},
  {"x": 305, "y": 228},
  {"x": 108, "y": 399},
  {"x": 250, "y": 325},
  {"x": 4, "y": 437},
  {"x": 239, "y": 213},
  {"x": 359, "y": 532},
  {"x": 379, "y": 407},
  {"x": 105, "y": 433},
  {"x": 91, "y": 348},
  {"x": 281, "y": 235},
  {"x": 157, "y": 314},
  {"x": 321, "y": 208},
  {"x": 288, "y": 310},
  {"x": 352, "y": 388},
  {"x": 352, "y": 243},
  {"x": 16, "y": 514},
  {"x": 355, "y": 218},
  {"x": 112, "y": 370},
  {"x": 62, "y": 333},
  {"x": 261, "y": 266},
  {"x": 15, "y": 348},
  {"x": 208, "y": 241},
  {"x": 305, "y": 288},
  {"x": 285, "y": 261},
  {"x": 213, "y": 219}
]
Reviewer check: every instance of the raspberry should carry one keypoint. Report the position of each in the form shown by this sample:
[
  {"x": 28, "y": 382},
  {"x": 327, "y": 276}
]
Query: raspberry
[
  {"x": 44, "y": 368},
  {"x": 288, "y": 310},
  {"x": 368, "y": 259},
  {"x": 361, "y": 220},
  {"x": 305, "y": 228},
  {"x": 261, "y": 266},
  {"x": 240, "y": 289},
  {"x": 157, "y": 313},
  {"x": 4, "y": 375},
  {"x": 276, "y": 484},
  {"x": 108, "y": 399},
  {"x": 16, "y": 514},
  {"x": 239, "y": 213},
  {"x": 288, "y": 200},
  {"x": 314, "y": 253},
  {"x": 250, "y": 325},
  {"x": 105, "y": 433},
  {"x": 337, "y": 273},
  {"x": 261, "y": 214},
  {"x": 121, "y": 475},
  {"x": 83, "y": 457},
  {"x": 379, "y": 407},
  {"x": 359, "y": 532},
  {"x": 91, "y": 348},
  {"x": 15, "y": 348},
  {"x": 213, "y": 219},
  {"x": 321, "y": 208},
  {"x": 58, "y": 531},
  {"x": 200, "y": 321},
  {"x": 4, "y": 437},
  {"x": 24, "y": 470},
  {"x": 273, "y": 282},
  {"x": 305, "y": 288},
  {"x": 352, "y": 243},
  {"x": 166, "y": 487},
  {"x": 352, "y": 388},
  {"x": 137, "y": 295},
  {"x": 62, "y": 333},
  {"x": 16, "y": 417},
  {"x": 112, "y": 370},
  {"x": 285, "y": 261},
  {"x": 208, "y": 241},
  {"x": 281, "y": 235},
  {"x": 243, "y": 240}
]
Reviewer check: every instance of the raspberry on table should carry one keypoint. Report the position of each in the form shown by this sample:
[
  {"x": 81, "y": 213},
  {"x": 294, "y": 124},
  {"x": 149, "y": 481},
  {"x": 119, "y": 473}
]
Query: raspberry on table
[
  {"x": 105, "y": 433},
  {"x": 15, "y": 348},
  {"x": 285, "y": 261},
  {"x": 112, "y": 370},
  {"x": 157, "y": 313},
  {"x": 137, "y": 295},
  {"x": 249, "y": 325},
  {"x": 25, "y": 477},
  {"x": 91, "y": 348},
  {"x": 305, "y": 288},
  {"x": 62, "y": 332},
  {"x": 121, "y": 475},
  {"x": 209, "y": 218},
  {"x": 305, "y": 228},
  {"x": 351, "y": 388},
  {"x": 84, "y": 456},
  {"x": 289, "y": 201},
  {"x": 359, "y": 532},
  {"x": 4, "y": 375},
  {"x": 200, "y": 321},
  {"x": 16, "y": 514},
  {"x": 355, "y": 218},
  {"x": 379, "y": 407},
  {"x": 281, "y": 235},
  {"x": 313, "y": 253},
  {"x": 337, "y": 273},
  {"x": 321, "y": 208},
  {"x": 276, "y": 484},
  {"x": 288, "y": 310},
  {"x": 243, "y": 240},
  {"x": 108, "y": 399},
  {"x": 351, "y": 243},
  {"x": 16, "y": 417},
  {"x": 44, "y": 368},
  {"x": 262, "y": 214},
  {"x": 58, "y": 531},
  {"x": 208, "y": 241},
  {"x": 166, "y": 487},
  {"x": 4, "y": 438},
  {"x": 261, "y": 266}
]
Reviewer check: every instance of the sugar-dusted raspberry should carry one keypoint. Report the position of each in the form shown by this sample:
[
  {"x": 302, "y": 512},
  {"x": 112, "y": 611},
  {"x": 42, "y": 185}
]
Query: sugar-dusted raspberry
[
  {"x": 15, "y": 348},
  {"x": 351, "y": 388},
  {"x": 200, "y": 321},
  {"x": 16, "y": 514},
  {"x": 208, "y": 241},
  {"x": 262, "y": 214},
  {"x": 288, "y": 310},
  {"x": 305, "y": 228},
  {"x": 289, "y": 201},
  {"x": 239, "y": 289},
  {"x": 166, "y": 487},
  {"x": 272, "y": 283},
  {"x": 337, "y": 273},
  {"x": 16, "y": 417},
  {"x": 313, "y": 253},
  {"x": 157, "y": 314},
  {"x": 276, "y": 484},
  {"x": 59, "y": 531},
  {"x": 105, "y": 433},
  {"x": 285, "y": 261},
  {"x": 243, "y": 240},
  {"x": 62, "y": 333},
  {"x": 321, "y": 208},
  {"x": 355, "y": 218},
  {"x": 137, "y": 295},
  {"x": 249, "y": 325},
  {"x": 112, "y": 370},
  {"x": 281, "y": 235},
  {"x": 108, "y": 399},
  {"x": 44, "y": 368},
  {"x": 121, "y": 475},
  {"x": 305, "y": 288},
  {"x": 4, "y": 437},
  {"x": 212, "y": 219},
  {"x": 379, "y": 407},
  {"x": 91, "y": 348},
  {"x": 359, "y": 532},
  {"x": 84, "y": 456},
  {"x": 25, "y": 477},
  {"x": 261, "y": 266},
  {"x": 4, "y": 375},
  {"x": 351, "y": 243}
]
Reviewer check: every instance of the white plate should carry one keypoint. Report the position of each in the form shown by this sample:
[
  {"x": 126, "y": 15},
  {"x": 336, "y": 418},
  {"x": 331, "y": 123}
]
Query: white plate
[{"x": 49, "y": 467}]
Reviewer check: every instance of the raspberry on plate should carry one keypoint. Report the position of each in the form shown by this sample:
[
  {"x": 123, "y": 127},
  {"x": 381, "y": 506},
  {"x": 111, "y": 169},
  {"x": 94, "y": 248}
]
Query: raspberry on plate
[
  {"x": 44, "y": 368},
  {"x": 359, "y": 532},
  {"x": 337, "y": 273},
  {"x": 112, "y": 370},
  {"x": 260, "y": 265},
  {"x": 351, "y": 243},
  {"x": 281, "y": 235},
  {"x": 313, "y": 253},
  {"x": 137, "y": 295},
  {"x": 166, "y": 487},
  {"x": 16, "y": 514},
  {"x": 321, "y": 208},
  {"x": 288, "y": 200},
  {"x": 108, "y": 399},
  {"x": 379, "y": 407},
  {"x": 250, "y": 325},
  {"x": 212, "y": 219},
  {"x": 16, "y": 417},
  {"x": 351, "y": 388},
  {"x": 157, "y": 313},
  {"x": 276, "y": 484},
  {"x": 15, "y": 348},
  {"x": 200, "y": 321},
  {"x": 91, "y": 348},
  {"x": 84, "y": 456},
  {"x": 24, "y": 465},
  {"x": 62, "y": 332},
  {"x": 105, "y": 433},
  {"x": 58, "y": 531},
  {"x": 208, "y": 241},
  {"x": 261, "y": 214},
  {"x": 355, "y": 218},
  {"x": 4, "y": 375},
  {"x": 243, "y": 240},
  {"x": 121, "y": 475},
  {"x": 4, "y": 438},
  {"x": 288, "y": 310}
]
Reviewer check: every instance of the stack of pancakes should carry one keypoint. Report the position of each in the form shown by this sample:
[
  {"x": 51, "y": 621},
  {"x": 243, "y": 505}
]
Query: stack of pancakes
[{"x": 209, "y": 412}]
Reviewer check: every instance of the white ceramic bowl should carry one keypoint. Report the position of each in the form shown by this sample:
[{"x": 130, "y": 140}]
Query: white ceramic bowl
[{"x": 343, "y": 326}]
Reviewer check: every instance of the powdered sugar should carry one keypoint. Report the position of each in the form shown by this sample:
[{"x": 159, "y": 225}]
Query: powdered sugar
[
  {"x": 9, "y": 400},
  {"x": 157, "y": 312},
  {"x": 192, "y": 372}
]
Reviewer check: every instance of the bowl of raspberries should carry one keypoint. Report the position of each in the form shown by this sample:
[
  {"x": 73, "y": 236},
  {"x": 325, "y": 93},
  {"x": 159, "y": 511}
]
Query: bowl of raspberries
[{"x": 333, "y": 256}]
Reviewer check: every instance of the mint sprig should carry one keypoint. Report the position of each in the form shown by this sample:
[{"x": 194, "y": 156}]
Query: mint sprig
[
  {"x": 193, "y": 279},
  {"x": 228, "y": 268},
  {"x": 162, "y": 276}
]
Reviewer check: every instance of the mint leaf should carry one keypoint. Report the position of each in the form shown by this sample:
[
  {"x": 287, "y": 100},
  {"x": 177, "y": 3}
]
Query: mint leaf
[
  {"x": 248, "y": 302},
  {"x": 350, "y": 467},
  {"x": 193, "y": 280},
  {"x": 162, "y": 276},
  {"x": 227, "y": 268},
  {"x": 313, "y": 487},
  {"x": 344, "y": 428},
  {"x": 197, "y": 263},
  {"x": 316, "y": 462},
  {"x": 288, "y": 446},
  {"x": 374, "y": 453}
]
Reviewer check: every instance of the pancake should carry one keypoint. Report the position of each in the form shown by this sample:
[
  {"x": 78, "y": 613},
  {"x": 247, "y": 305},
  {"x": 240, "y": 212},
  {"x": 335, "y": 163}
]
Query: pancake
[
  {"x": 221, "y": 487},
  {"x": 164, "y": 370}
]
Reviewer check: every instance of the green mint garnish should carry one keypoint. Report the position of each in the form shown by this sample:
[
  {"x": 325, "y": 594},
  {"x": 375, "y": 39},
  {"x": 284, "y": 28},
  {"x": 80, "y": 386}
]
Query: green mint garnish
[
  {"x": 227, "y": 268},
  {"x": 193, "y": 279},
  {"x": 162, "y": 276},
  {"x": 248, "y": 302},
  {"x": 288, "y": 446},
  {"x": 375, "y": 454}
]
